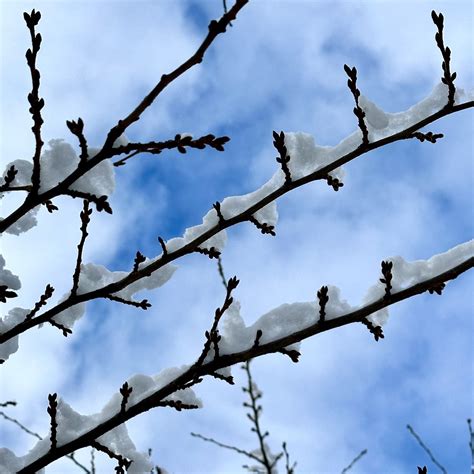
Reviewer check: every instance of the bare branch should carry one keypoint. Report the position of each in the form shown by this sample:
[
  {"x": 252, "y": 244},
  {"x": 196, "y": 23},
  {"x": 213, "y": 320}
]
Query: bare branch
[
  {"x": 427, "y": 450},
  {"x": 357, "y": 458},
  {"x": 36, "y": 104}
]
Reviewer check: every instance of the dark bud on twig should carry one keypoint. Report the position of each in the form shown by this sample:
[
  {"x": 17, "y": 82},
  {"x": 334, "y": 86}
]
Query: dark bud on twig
[
  {"x": 163, "y": 246},
  {"x": 283, "y": 159},
  {"x": 263, "y": 227},
  {"x": 66, "y": 331},
  {"x": 125, "y": 391},
  {"x": 387, "y": 273},
  {"x": 358, "y": 112},
  {"x": 217, "y": 207},
  {"x": 6, "y": 293},
  {"x": 429, "y": 136},
  {"x": 375, "y": 330},
  {"x": 32, "y": 19},
  {"x": 52, "y": 411},
  {"x": 323, "y": 299},
  {"x": 10, "y": 175},
  {"x": 139, "y": 258},
  {"x": 292, "y": 354},
  {"x": 75, "y": 127},
  {"x": 438, "y": 289},
  {"x": 258, "y": 336},
  {"x": 50, "y": 206},
  {"x": 211, "y": 253},
  {"x": 422, "y": 470},
  {"x": 334, "y": 182}
]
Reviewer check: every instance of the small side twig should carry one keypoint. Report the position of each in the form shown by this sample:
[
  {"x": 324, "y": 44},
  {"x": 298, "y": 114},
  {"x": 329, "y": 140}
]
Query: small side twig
[
  {"x": 139, "y": 258},
  {"x": 66, "y": 331},
  {"x": 52, "y": 411},
  {"x": 5, "y": 293},
  {"x": 358, "y": 112},
  {"x": 289, "y": 469},
  {"x": 143, "y": 304},
  {"x": 323, "y": 299},
  {"x": 210, "y": 335},
  {"x": 283, "y": 159},
  {"x": 211, "y": 253},
  {"x": 471, "y": 444},
  {"x": 163, "y": 246},
  {"x": 263, "y": 227},
  {"x": 125, "y": 391},
  {"x": 85, "y": 219},
  {"x": 77, "y": 128},
  {"x": 36, "y": 104},
  {"x": 179, "y": 142},
  {"x": 357, "y": 458},
  {"x": 428, "y": 136},
  {"x": 48, "y": 292},
  {"x": 375, "y": 330},
  {"x": 447, "y": 78},
  {"x": 122, "y": 462},
  {"x": 226, "y": 446},
  {"x": 293, "y": 354},
  {"x": 100, "y": 202},
  {"x": 427, "y": 450},
  {"x": 387, "y": 278}
]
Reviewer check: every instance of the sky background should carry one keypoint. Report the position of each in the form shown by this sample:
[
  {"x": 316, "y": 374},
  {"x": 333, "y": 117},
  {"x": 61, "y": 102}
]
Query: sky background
[{"x": 280, "y": 67}]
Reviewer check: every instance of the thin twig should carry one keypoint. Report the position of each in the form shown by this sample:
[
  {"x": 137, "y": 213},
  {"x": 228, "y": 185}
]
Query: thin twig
[
  {"x": 226, "y": 446},
  {"x": 357, "y": 458},
  {"x": 430, "y": 454}
]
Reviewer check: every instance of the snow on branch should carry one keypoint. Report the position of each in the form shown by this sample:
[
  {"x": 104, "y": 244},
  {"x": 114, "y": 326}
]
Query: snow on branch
[{"x": 286, "y": 325}]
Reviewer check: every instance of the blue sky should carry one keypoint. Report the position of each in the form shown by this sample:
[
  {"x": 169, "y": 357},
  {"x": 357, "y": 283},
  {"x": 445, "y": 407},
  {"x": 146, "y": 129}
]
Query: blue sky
[{"x": 280, "y": 67}]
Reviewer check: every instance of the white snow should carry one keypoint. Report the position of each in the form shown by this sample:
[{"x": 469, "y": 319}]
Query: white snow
[
  {"x": 94, "y": 276},
  {"x": 14, "y": 316},
  {"x": 290, "y": 318},
  {"x": 72, "y": 424},
  {"x": 7, "y": 277}
]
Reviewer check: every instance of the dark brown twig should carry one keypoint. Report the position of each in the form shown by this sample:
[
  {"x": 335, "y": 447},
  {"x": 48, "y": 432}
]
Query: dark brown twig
[
  {"x": 36, "y": 104},
  {"x": 254, "y": 416},
  {"x": 5, "y": 293},
  {"x": 199, "y": 370},
  {"x": 426, "y": 449},
  {"x": 143, "y": 304},
  {"x": 77, "y": 128},
  {"x": 283, "y": 159},
  {"x": 211, "y": 253},
  {"x": 179, "y": 142},
  {"x": 471, "y": 444},
  {"x": 48, "y": 292},
  {"x": 212, "y": 335},
  {"x": 263, "y": 227},
  {"x": 358, "y": 112},
  {"x": 139, "y": 258},
  {"x": 387, "y": 277},
  {"x": 447, "y": 78},
  {"x": 323, "y": 299},
  {"x": 375, "y": 330},
  {"x": 125, "y": 391},
  {"x": 52, "y": 411},
  {"x": 428, "y": 136},
  {"x": 357, "y": 458},
  {"x": 226, "y": 446},
  {"x": 289, "y": 469},
  {"x": 85, "y": 219},
  {"x": 122, "y": 462},
  {"x": 100, "y": 202}
]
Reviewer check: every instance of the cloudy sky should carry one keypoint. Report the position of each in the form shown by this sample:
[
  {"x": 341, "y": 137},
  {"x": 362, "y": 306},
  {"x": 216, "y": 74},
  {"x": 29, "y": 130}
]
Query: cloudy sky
[{"x": 280, "y": 67}]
